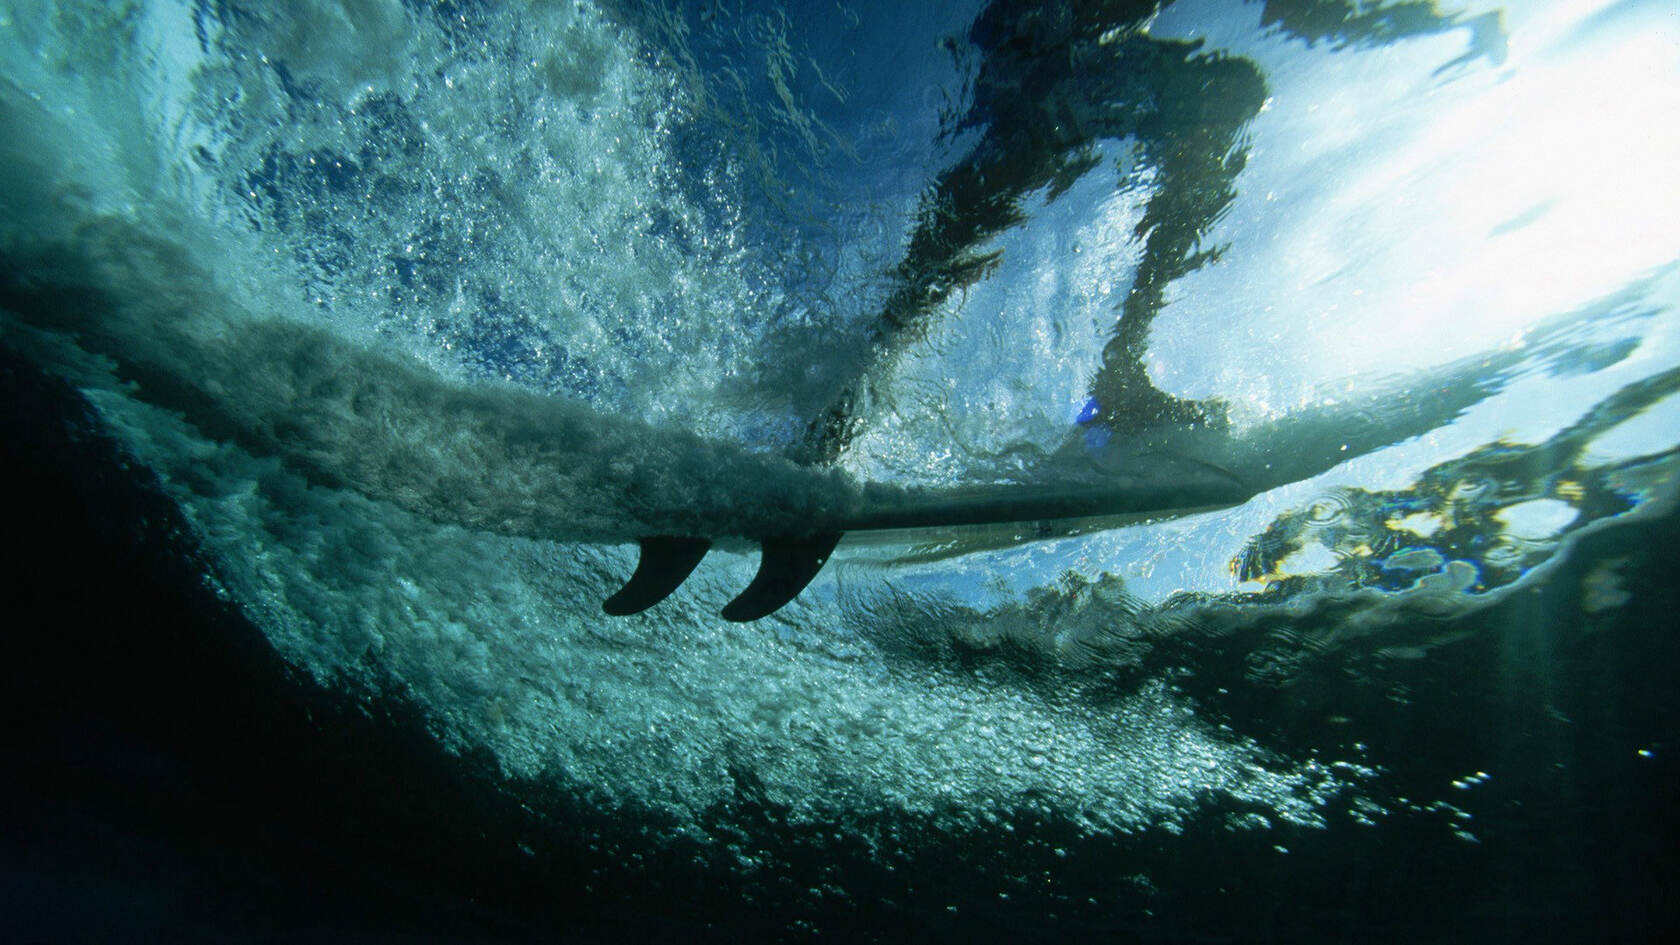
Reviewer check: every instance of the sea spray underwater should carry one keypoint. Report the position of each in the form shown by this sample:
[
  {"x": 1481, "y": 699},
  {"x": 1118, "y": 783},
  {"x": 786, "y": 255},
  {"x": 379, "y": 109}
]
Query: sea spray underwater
[{"x": 420, "y": 313}]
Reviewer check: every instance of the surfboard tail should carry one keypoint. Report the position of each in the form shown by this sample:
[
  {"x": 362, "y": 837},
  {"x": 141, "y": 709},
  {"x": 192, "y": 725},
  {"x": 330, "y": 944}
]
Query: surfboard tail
[
  {"x": 787, "y": 564},
  {"x": 785, "y": 567},
  {"x": 666, "y": 562}
]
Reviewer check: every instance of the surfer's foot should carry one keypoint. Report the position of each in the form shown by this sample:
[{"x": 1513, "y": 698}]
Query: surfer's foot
[{"x": 1137, "y": 409}]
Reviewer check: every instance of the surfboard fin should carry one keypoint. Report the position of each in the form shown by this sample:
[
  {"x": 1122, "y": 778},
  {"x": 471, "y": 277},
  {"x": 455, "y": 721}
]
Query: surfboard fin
[
  {"x": 666, "y": 562},
  {"x": 785, "y": 567}
]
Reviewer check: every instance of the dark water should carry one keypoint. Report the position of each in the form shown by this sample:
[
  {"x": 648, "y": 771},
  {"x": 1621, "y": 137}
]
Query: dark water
[{"x": 170, "y": 779}]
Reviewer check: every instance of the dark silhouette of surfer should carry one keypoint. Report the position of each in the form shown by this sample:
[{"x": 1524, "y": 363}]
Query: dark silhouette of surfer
[{"x": 1055, "y": 78}]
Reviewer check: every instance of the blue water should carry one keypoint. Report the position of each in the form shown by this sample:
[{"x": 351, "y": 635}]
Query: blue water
[{"x": 349, "y": 346}]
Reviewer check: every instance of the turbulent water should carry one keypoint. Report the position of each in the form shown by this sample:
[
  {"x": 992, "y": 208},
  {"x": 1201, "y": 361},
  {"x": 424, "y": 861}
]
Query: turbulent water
[{"x": 421, "y": 312}]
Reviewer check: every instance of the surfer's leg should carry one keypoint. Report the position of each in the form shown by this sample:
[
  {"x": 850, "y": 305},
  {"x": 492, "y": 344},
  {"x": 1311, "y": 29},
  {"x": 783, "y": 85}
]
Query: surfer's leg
[
  {"x": 1193, "y": 139},
  {"x": 968, "y": 206}
]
